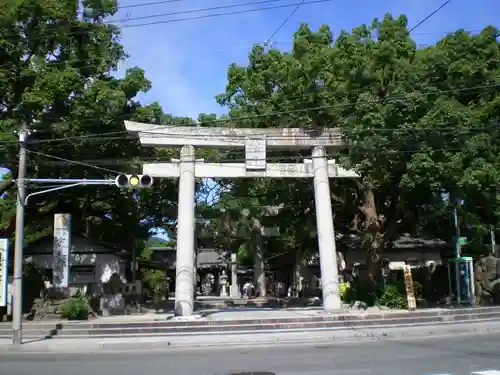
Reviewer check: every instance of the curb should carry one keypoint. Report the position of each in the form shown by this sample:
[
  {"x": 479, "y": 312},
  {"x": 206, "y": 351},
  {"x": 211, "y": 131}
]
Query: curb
[
  {"x": 231, "y": 342},
  {"x": 210, "y": 327}
]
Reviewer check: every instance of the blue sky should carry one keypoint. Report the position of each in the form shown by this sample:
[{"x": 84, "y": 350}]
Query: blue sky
[{"x": 187, "y": 61}]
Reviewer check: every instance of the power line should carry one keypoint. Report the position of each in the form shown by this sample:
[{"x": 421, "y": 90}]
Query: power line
[
  {"x": 87, "y": 163},
  {"x": 219, "y": 7},
  {"x": 118, "y": 161},
  {"x": 299, "y": 101},
  {"x": 430, "y": 15},
  {"x": 225, "y": 14},
  {"x": 157, "y": 128},
  {"x": 270, "y": 39},
  {"x": 232, "y": 13},
  {"x": 279, "y": 159},
  {"x": 93, "y": 64},
  {"x": 128, "y": 136},
  {"x": 141, "y": 5},
  {"x": 82, "y": 163}
]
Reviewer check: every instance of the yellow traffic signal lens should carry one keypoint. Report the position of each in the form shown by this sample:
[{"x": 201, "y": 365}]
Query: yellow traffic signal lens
[{"x": 134, "y": 181}]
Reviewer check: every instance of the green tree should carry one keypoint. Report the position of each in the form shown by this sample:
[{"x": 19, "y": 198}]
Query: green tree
[
  {"x": 154, "y": 280},
  {"x": 414, "y": 121},
  {"x": 58, "y": 64}
]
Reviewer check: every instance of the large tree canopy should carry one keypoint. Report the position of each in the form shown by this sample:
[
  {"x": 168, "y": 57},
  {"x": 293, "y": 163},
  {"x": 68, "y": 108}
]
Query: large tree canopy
[
  {"x": 58, "y": 75},
  {"x": 418, "y": 124}
]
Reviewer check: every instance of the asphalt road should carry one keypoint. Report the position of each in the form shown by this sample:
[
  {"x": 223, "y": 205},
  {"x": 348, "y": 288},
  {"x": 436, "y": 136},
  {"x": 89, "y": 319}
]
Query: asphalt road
[{"x": 461, "y": 355}]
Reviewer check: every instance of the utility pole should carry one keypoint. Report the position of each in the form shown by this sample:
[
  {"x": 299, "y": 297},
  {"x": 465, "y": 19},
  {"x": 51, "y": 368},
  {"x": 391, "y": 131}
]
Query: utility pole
[
  {"x": 17, "y": 309},
  {"x": 121, "y": 181}
]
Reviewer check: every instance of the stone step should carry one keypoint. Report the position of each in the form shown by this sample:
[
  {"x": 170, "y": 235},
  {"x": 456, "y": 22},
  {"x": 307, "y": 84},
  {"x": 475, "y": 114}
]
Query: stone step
[{"x": 204, "y": 326}]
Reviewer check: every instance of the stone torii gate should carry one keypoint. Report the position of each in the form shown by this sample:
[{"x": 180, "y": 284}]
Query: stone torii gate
[{"x": 255, "y": 141}]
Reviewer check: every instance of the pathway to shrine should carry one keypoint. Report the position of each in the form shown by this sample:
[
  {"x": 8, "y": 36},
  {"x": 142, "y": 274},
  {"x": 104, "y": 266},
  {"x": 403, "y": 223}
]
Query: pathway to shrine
[{"x": 256, "y": 141}]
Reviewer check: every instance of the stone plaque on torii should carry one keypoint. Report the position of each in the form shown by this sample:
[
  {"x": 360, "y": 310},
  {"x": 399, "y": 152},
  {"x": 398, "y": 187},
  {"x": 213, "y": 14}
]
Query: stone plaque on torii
[{"x": 256, "y": 141}]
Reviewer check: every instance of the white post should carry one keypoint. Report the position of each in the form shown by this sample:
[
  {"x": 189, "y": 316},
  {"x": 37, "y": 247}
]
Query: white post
[
  {"x": 234, "y": 276},
  {"x": 184, "y": 278},
  {"x": 326, "y": 234}
]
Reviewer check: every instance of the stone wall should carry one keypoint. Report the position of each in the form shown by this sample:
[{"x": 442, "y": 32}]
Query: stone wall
[{"x": 487, "y": 280}]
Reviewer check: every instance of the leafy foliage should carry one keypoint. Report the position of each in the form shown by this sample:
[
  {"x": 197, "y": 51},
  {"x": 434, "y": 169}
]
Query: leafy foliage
[
  {"x": 417, "y": 121},
  {"x": 58, "y": 75},
  {"x": 75, "y": 308},
  {"x": 154, "y": 281},
  {"x": 420, "y": 124},
  {"x": 393, "y": 297}
]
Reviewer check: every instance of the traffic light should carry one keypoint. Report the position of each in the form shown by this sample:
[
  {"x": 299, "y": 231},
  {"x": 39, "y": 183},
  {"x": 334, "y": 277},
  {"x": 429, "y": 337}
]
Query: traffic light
[{"x": 133, "y": 181}]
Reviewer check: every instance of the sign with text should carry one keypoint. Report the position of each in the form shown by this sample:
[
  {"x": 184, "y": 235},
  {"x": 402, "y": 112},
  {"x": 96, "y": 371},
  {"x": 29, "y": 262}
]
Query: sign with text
[
  {"x": 61, "y": 254},
  {"x": 410, "y": 293},
  {"x": 4, "y": 261},
  {"x": 255, "y": 153}
]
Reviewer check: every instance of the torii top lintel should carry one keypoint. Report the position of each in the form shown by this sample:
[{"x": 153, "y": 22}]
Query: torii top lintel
[{"x": 168, "y": 136}]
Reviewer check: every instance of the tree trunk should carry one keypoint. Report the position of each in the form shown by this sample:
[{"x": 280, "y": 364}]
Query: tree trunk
[{"x": 375, "y": 241}]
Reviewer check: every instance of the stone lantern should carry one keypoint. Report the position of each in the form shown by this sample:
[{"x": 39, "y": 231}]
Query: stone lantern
[{"x": 223, "y": 284}]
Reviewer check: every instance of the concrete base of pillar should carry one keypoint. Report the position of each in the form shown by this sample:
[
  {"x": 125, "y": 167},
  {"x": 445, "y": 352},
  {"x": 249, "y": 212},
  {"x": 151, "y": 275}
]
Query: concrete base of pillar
[{"x": 187, "y": 318}]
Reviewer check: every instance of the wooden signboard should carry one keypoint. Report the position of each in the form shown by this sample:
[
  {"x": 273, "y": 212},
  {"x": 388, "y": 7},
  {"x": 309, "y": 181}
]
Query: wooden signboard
[{"x": 410, "y": 291}]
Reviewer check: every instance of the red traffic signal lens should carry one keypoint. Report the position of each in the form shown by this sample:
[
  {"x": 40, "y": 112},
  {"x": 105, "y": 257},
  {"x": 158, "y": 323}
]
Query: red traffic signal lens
[{"x": 146, "y": 180}]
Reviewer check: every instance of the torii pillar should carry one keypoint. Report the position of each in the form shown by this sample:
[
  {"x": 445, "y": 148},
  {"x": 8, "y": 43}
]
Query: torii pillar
[
  {"x": 186, "y": 229},
  {"x": 255, "y": 141}
]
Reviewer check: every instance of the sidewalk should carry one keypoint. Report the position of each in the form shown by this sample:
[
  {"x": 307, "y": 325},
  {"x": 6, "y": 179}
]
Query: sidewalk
[
  {"x": 234, "y": 321},
  {"x": 237, "y": 314},
  {"x": 229, "y": 342}
]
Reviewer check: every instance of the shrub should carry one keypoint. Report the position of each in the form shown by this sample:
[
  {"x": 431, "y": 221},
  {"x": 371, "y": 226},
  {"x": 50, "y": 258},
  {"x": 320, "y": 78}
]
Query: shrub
[
  {"x": 345, "y": 291},
  {"x": 74, "y": 308},
  {"x": 392, "y": 297}
]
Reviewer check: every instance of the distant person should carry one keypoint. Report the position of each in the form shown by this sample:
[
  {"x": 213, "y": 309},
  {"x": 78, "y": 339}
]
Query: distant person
[{"x": 248, "y": 289}]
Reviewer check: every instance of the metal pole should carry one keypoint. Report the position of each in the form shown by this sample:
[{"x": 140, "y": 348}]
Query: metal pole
[
  {"x": 19, "y": 241},
  {"x": 133, "y": 265},
  {"x": 492, "y": 240},
  {"x": 457, "y": 233},
  {"x": 81, "y": 181}
]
